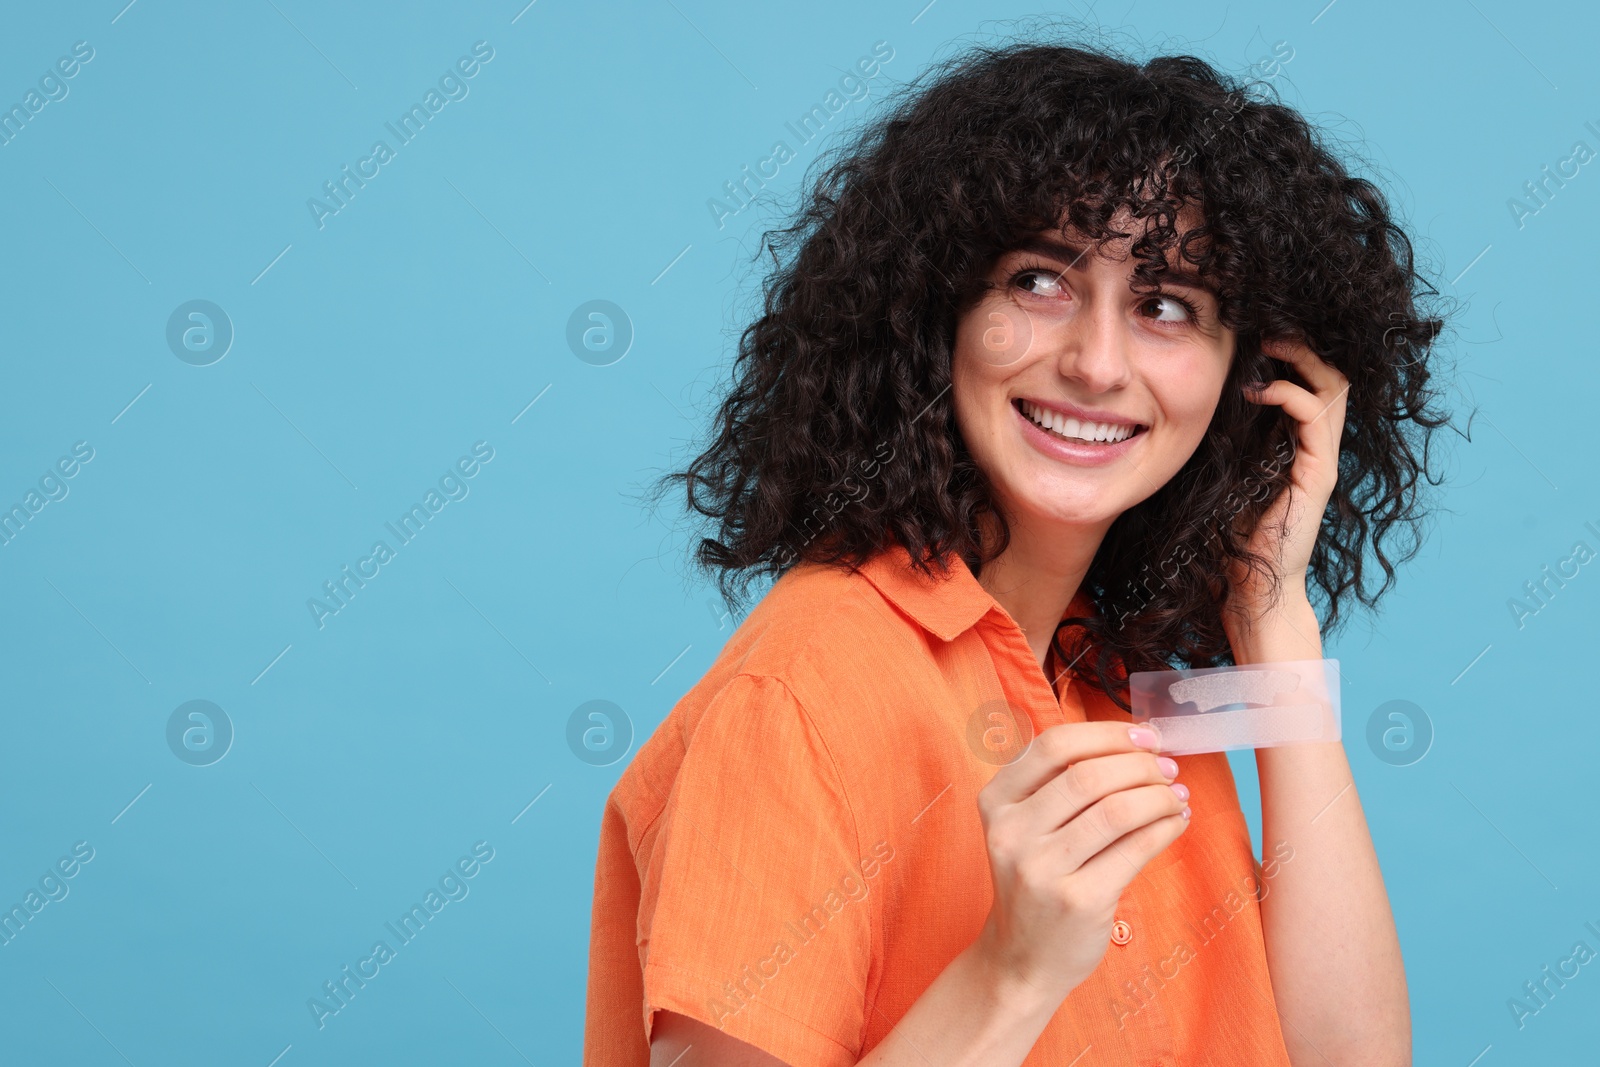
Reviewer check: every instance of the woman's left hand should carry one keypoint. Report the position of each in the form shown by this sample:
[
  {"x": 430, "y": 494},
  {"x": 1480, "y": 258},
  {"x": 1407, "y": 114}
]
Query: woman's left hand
[{"x": 1287, "y": 530}]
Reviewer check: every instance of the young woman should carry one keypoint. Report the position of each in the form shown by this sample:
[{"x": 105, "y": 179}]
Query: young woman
[{"x": 1001, "y": 438}]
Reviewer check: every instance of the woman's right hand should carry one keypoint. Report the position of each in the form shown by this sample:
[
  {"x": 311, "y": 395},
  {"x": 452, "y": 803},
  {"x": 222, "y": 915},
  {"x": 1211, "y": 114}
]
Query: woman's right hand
[{"x": 1068, "y": 826}]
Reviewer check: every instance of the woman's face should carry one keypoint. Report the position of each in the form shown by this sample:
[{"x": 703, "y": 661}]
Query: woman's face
[{"x": 1126, "y": 381}]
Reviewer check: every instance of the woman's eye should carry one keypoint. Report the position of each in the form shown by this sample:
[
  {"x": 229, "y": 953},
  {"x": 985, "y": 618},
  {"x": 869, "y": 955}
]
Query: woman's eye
[
  {"x": 1040, "y": 283},
  {"x": 1167, "y": 309}
]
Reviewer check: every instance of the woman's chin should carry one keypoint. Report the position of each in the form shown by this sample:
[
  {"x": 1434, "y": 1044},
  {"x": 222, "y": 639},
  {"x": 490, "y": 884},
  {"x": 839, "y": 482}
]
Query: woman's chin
[{"x": 1088, "y": 510}]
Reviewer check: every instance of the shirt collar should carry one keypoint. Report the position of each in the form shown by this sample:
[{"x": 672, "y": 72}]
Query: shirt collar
[{"x": 948, "y": 603}]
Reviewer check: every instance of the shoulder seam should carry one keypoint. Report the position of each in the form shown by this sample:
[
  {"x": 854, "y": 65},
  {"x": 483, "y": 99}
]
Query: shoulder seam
[
  {"x": 854, "y": 582},
  {"x": 810, "y": 722},
  {"x": 855, "y": 832}
]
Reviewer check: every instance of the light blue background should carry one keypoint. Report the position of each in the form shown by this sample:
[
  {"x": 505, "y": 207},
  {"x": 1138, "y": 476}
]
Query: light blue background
[{"x": 427, "y": 315}]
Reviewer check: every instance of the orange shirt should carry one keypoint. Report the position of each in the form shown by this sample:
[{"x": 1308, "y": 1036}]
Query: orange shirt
[{"x": 795, "y": 854}]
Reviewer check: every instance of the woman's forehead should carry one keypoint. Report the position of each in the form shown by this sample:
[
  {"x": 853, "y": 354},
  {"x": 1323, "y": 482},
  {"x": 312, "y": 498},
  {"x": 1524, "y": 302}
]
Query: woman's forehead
[
  {"x": 1071, "y": 246},
  {"x": 1188, "y": 217}
]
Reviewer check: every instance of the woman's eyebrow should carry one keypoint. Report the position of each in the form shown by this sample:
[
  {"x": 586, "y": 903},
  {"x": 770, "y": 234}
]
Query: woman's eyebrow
[
  {"x": 1071, "y": 254},
  {"x": 1189, "y": 279},
  {"x": 1049, "y": 246}
]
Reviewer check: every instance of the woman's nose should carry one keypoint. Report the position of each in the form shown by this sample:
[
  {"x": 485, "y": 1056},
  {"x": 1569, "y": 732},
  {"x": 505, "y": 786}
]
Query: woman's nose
[{"x": 1094, "y": 347}]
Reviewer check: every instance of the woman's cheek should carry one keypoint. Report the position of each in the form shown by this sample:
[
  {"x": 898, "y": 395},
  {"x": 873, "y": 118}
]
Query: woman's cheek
[
  {"x": 1002, "y": 334},
  {"x": 1186, "y": 427},
  {"x": 1190, "y": 399}
]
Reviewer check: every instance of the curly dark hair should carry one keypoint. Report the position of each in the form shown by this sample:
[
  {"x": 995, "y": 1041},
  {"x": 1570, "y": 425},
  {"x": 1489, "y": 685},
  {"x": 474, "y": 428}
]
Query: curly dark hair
[{"x": 838, "y": 437}]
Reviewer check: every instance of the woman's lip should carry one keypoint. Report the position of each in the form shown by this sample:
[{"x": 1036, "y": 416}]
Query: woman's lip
[{"x": 1083, "y": 455}]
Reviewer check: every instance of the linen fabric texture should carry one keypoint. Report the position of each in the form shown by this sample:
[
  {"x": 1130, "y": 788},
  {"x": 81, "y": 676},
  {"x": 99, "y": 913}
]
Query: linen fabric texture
[{"x": 795, "y": 854}]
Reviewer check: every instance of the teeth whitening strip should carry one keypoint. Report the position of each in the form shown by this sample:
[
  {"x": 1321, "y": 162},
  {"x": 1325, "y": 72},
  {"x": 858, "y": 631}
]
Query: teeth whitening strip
[{"x": 1262, "y": 705}]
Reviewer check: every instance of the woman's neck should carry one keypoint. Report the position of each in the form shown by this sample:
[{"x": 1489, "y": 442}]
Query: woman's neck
[{"x": 1038, "y": 574}]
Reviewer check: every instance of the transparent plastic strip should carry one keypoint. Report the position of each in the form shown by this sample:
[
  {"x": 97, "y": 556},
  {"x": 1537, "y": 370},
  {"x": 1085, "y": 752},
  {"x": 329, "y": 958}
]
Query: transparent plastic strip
[{"x": 1259, "y": 705}]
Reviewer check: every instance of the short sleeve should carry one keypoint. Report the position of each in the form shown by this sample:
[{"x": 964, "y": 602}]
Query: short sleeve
[{"x": 755, "y": 914}]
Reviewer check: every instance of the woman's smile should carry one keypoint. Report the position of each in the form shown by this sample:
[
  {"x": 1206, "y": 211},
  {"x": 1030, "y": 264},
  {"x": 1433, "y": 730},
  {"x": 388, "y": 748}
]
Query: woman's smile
[{"x": 1073, "y": 440}]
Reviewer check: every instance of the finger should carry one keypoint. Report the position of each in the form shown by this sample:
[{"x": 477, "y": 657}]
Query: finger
[
  {"x": 1322, "y": 375},
  {"x": 1113, "y": 818},
  {"x": 1304, "y": 406},
  {"x": 1087, "y": 782},
  {"x": 1056, "y": 747},
  {"x": 1120, "y": 861}
]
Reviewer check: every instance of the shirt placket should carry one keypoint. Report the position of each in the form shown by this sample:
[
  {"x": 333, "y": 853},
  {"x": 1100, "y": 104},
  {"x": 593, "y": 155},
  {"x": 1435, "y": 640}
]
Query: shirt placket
[
  {"x": 1134, "y": 963},
  {"x": 1021, "y": 678},
  {"x": 1132, "y": 949}
]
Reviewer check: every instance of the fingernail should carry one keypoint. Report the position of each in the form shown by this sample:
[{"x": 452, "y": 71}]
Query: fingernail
[
  {"x": 1255, "y": 387},
  {"x": 1143, "y": 736},
  {"x": 1169, "y": 766},
  {"x": 1180, "y": 789},
  {"x": 1185, "y": 811}
]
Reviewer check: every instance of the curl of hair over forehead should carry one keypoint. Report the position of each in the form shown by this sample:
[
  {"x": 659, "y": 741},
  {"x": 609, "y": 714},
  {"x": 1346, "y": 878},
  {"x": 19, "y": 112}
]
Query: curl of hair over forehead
[{"x": 837, "y": 433}]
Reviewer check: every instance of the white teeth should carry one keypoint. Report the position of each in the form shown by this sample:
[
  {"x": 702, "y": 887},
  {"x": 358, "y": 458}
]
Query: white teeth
[{"x": 1098, "y": 432}]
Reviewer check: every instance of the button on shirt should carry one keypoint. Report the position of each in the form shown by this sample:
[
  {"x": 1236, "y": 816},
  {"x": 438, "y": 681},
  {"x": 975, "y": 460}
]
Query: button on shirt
[{"x": 795, "y": 854}]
